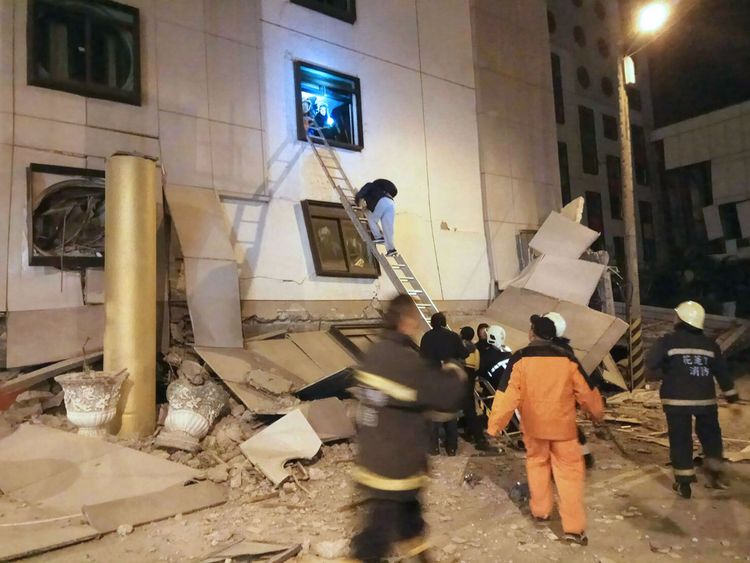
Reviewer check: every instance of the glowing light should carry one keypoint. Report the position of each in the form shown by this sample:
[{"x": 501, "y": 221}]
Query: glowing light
[
  {"x": 329, "y": 122},
  {"x": 652, "y": 16}
]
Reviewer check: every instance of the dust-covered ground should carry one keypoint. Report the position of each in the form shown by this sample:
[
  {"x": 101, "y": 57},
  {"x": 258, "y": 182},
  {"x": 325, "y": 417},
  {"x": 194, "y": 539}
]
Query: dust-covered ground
[{"x": 633, "y": 512}]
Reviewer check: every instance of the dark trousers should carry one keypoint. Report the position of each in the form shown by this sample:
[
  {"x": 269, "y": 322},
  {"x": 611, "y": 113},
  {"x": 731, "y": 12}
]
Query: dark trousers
[
  {"x": 680, "y": 427},
  {"x": 387, "y": 522},
  {"x": 451, "y": 435},
  {"x": 472, "y": 421}
]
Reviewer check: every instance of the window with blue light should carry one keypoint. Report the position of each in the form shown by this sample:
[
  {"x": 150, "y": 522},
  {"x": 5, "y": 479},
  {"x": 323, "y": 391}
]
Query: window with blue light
[{"x": 330, "y": 100}]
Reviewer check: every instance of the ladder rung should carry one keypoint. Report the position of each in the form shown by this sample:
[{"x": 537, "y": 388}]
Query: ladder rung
[
  {"x": 406, "y": 279},
  {"x": 415, "y": 292},
  {"x": 423, "y": 305}
]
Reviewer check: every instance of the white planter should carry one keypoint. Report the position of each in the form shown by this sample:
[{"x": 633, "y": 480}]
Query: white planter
[
  {"x": 192, "y": 410},
  {"x": 91, "y": 399}
]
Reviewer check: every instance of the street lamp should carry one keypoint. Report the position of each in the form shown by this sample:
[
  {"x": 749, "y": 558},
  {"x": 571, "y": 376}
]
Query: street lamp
[{"x": 650, "y": 18}]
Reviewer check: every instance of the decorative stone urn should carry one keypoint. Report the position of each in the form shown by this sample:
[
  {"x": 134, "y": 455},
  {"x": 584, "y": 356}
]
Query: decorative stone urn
[
  {"x": 91, "y": 399},
  {"x": 192, "y": 410}
]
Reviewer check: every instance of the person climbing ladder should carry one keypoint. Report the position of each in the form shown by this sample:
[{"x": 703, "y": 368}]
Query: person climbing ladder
[{"x": 378, "y": 198}]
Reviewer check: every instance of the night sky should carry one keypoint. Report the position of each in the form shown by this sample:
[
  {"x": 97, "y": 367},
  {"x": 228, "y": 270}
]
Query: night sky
[{"x": 702, "y": 62}]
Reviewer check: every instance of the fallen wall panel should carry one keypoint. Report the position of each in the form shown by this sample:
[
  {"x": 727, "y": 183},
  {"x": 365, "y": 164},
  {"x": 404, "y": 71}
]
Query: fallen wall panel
[
  {"x": 37, "y": 337},
  {"x": 560, "y": 236}
]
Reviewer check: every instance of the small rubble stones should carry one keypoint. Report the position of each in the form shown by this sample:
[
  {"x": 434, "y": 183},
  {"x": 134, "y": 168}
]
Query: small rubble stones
[{"x": 124, "y": 530}]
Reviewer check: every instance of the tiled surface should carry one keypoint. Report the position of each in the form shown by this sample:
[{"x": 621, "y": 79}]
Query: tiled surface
[
  {"x": 447, "y": 54},
  {"x": 233, "y": 19},
  {"x": 237, "y": 158},
  {"x": 187, "y": 13},
  {"x": 183, "y": 84},
  {"x": 233, "y": 82},
  {"x": 186, "y": 149}
]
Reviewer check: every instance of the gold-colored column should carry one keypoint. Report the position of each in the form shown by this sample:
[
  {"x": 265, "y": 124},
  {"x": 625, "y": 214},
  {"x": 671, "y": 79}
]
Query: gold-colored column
[{"x": 130, "y": 274}]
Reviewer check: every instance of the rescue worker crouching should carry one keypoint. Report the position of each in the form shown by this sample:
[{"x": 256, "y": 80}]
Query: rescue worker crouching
[
  {"x": 689, "y": 362},
  {"x": 396, "y": 389},
  {"x": 545, "y": 383}
]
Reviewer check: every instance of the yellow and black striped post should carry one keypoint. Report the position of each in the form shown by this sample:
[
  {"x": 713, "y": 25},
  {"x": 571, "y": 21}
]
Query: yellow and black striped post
[{"x": 636, "y": 359}]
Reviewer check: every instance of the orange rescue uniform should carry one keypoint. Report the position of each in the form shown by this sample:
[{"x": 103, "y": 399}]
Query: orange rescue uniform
[{"x": 545, "y": 383}]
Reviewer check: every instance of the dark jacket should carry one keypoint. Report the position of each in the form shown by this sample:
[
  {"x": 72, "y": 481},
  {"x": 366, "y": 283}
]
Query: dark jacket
[
  {"x": 442, "y": 344},
  {"x": 373, "y": 192},
  {"x": 689, "y": 362},
  {"x": 396, "y": 389},
  {"x": 492, "y": 365}
]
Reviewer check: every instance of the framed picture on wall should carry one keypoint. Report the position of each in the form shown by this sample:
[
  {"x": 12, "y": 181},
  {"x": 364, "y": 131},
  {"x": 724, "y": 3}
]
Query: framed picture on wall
[{"x": 337, "y": 249}]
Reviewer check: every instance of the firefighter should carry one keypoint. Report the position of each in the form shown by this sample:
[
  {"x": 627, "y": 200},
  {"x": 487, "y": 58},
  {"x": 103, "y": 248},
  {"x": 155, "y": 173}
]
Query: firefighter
[
  {"x": 561, "y": 340},
  {"x": 689, "y": 362},
  {"x": 396, "y": 389},
  {"x": 494, "y": 359},
  {"x": 545, "y": 383}
]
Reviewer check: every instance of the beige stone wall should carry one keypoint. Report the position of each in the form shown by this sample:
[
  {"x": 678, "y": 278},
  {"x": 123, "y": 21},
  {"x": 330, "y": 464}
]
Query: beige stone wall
[{"x": 517, "y": 136}]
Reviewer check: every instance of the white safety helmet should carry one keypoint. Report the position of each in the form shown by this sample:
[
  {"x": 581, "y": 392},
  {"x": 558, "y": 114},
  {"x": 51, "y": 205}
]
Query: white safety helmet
[
  {"x": 496, "y": 336},
  {"x": 691, "y": 313},
  {"x": 560, "y": 324}
]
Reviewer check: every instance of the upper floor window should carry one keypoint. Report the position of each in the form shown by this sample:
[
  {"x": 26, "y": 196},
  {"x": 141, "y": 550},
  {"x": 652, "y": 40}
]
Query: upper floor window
[
  {"x": 640, "y": 154},
  {"x": 562, "y": 157},
  {"x": 551, "y": 22},
  {"x": 583, "y": 77},
  {"x": 579, "y": 35},
  {"x": 87, "y": 47},
  {"x": 634, "y": 98},
  {"x": 332, "y": 100},
  {"x": 344, "y": 10},
  {"x": 614, "y": 182},
  {"x": 588, "y": 140},
  {"x": 557, "y": 89},
  {"x": 609, "y": 124}
]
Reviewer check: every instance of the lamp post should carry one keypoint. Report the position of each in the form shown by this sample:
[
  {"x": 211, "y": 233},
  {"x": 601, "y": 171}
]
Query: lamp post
[{"x": 650, "y": 18}]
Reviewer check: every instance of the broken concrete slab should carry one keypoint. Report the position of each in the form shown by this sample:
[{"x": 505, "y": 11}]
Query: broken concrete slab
[
  {"x": 26, "y": 380},
  {"x": 334, "y": 385},
  {"x": 743, "y": 215},
  {"x": 141, "y": 509},
  {"x": 329, "y": 419},
  {"x": 324, "y": 350},
  {"x": 50, "y": 335},
  {"x": 289, "y": 357},
  {"x": 574, "y": 209},
  {"x": 563, "y": 278},
  {"x": 592, "y": 333},
  {"x": 200, "y": 222},
  {"x": 712, "y": 219},
  {"x": 93, "y": 291},
  {"x": 290, "y": 437},
  {"x": 64, "y": 472},
  {"x": 560, "y": 236},
  {"x": 213, "y": 297}
]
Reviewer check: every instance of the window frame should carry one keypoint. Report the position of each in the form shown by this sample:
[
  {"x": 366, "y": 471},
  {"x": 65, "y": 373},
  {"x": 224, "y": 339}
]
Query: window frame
[
  {"x": 557, "y": 88},
  {"x": 348, "y": 16},
  {"x": 308, "y": 213},
  {"x": 298, "y": 64},
  {"x": 607, "y": 124},
  {"x": 88, "y": 88},
  {"x": 66, "y": 263},
  {"x": 563, "y": 163},
  {"x": 592, "y": 170},
  {"x": 614, "y": 185},
  {"x": 589, "y": 197}
]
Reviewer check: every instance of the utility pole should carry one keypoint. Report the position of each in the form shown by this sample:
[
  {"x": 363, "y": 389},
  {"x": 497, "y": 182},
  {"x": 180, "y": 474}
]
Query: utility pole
[{"x": 633, "y": 290}]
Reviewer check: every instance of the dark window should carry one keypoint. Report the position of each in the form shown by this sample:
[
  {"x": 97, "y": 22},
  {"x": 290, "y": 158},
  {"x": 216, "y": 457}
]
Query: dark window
[
  {"x": 333, "y": 101},
  {"x": 87, "y": 47},
  {"x": 577, "y": 3},
  {"x": 551, "y": 22},
  {"x": 634, "y": 98},
  {"x": 730, "y": 222},
  {"x": 600, "y": 10},
  {"x": 595, "y": 217},
  {"x": 614, "y": 181},
  {"x": 687, "y": 191},
  {"x": 66, "y": 219},
  {"x": 337, "y": 249},
  {"x": 619, "y": 243},
  {"x": 558, "y": 89},
  {"x": 579, "y": 35},
  {"x": 647, "y": 231},
  {"x": 607, "y": 88},
  {"x": 344, "y": 10},
  {"x": 603, "y": 47},
  {"x": 609, "y": 123},
  {"x": 640, "y": 159},
  {"x": 588, "y": 140},
  {"x": 583, "y": 77},
  {"x": 562, "y": 157}
]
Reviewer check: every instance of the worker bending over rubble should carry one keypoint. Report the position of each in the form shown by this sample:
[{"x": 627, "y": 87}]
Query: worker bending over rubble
[
  {"x": 689, "y": 362},
  {"x": 396, "y": 389},
  {"x": 545, "y": 382}
]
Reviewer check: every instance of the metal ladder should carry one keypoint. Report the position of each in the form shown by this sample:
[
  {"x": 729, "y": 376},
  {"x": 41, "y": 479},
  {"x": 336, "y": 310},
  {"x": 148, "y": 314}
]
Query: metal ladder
[{"x": 395, "y": 267}]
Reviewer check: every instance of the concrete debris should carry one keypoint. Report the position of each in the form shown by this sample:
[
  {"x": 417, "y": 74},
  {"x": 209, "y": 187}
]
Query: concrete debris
[
  {"x": 218, "y": 474},
  {"x": 331, "y": 549},
  {"x": 124, "y": 530}
]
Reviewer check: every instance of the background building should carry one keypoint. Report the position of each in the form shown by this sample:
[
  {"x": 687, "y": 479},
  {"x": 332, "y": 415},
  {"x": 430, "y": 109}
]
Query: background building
[
  {"x": 428, "y": 93},
  {"x": 585, "y": 37}
]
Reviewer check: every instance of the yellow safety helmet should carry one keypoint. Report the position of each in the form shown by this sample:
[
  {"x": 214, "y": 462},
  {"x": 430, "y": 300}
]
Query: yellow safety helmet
[{"x": 691, "y": 313}]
